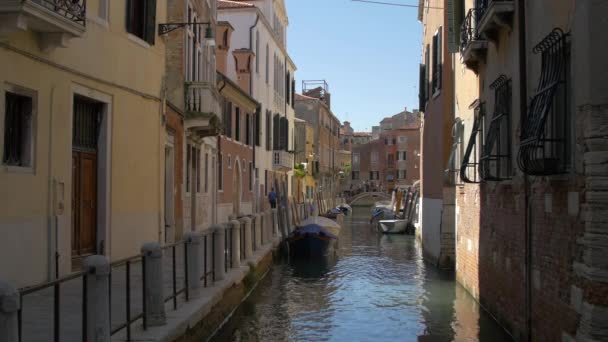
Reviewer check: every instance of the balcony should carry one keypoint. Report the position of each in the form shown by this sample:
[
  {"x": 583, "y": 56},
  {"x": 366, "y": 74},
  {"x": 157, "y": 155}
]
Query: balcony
[
  {"x": 472, "y": 46},
  {"x": 202, "y": 108},
  {"x": 57, "y": 21},
  {"x": 493, "y": 16},
  {"x": 282, "y": 161}
]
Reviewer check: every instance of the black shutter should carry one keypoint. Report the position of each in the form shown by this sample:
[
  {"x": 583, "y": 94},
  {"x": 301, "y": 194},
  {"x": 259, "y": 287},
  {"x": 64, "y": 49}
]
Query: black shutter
[
  {"x": 258, "y": 123},
  {"x": 439, "y": 56},
  {"x": 129, "y": 16},
  {"x": 150, "y": 22},
  {"x": 276, "y": 129},
  {"x": 422, "y": 89},
  {"x": 293, "y": 93}
]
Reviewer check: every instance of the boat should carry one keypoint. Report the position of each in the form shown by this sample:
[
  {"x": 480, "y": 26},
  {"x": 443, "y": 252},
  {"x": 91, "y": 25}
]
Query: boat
[
  {"x": 345, "y": 208},
  {"x": 394, "y": 226},
  {"x": 311, "y": 241},
  {"x": 331, "y": 226},
  {"x": 381, "y": 213}
]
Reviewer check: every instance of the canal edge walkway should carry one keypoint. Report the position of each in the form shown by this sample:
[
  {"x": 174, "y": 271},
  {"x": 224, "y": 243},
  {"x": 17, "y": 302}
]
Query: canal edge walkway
[{"x": 203, "y": 316}]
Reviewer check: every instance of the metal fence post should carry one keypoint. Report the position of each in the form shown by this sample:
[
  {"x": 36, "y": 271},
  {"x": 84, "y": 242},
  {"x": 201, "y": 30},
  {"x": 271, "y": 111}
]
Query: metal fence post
[
  {"x": 219, "y": 250},
  {"x": 235, "y": 225},
  {"x": 193, "y": 240},
  {"x": 10, "y": 304},
  {"x": 153, "y": 284},
  {"x": 246, "y": 225},
  {"x": 97, "y": 297}
]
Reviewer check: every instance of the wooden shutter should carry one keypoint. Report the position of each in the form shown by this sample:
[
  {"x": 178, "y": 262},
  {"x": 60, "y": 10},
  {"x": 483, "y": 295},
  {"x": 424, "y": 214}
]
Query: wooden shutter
[
  {"x": 422, "y": 88},
  {"x": 439, "y": 56},
  {"x": 150, "y": 22},
  {"x": 293, "y": 93}
]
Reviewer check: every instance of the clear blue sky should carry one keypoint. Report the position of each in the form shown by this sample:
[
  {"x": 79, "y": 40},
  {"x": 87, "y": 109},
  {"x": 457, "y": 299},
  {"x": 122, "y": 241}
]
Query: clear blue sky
[{"x": 369, "y": 55}]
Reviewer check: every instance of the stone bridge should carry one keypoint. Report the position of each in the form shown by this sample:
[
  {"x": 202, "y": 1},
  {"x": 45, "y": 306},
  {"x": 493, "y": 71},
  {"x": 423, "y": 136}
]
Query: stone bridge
[{"x": 368, "y": 198}]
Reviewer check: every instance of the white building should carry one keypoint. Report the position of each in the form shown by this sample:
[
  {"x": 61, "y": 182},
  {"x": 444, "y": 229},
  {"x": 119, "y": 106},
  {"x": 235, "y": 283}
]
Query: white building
[{"x": 259, "y": 45}]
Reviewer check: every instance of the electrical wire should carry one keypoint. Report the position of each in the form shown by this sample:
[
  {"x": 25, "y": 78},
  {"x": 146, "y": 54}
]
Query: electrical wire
[{"x": 394, "y": 4}]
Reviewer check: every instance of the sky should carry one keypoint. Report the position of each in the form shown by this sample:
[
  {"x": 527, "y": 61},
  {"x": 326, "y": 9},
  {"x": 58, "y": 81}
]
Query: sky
[{"x": 369, "y": 55}]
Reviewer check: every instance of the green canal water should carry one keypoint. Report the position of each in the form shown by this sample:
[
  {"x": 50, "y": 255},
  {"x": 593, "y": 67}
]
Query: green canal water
[{"x": 377, "y": 288}]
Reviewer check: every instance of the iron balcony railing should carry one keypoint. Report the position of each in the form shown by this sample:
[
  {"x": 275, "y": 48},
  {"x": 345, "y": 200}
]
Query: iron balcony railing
[
  {"x": 546, "y": 132},
  {"x": 468, "y": 30},
  {"x": 74, "y": 10}
]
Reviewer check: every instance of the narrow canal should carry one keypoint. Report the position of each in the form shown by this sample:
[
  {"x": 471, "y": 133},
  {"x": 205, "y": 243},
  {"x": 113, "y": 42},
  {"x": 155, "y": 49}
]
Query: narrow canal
[{"x": 376, "y": 289}]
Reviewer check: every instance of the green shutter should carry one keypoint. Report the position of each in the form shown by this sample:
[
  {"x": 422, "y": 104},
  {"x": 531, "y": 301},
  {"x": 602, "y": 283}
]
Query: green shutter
[{"x": 150, "y": 22}]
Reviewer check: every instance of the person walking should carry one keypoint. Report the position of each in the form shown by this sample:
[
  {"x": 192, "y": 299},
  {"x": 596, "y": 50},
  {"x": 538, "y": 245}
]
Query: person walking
[{"x": 272, "y": 198}]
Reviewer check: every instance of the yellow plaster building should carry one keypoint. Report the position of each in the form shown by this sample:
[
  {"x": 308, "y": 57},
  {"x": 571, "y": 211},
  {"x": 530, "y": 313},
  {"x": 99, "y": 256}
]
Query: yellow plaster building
[{"x": 80, "y": 133}]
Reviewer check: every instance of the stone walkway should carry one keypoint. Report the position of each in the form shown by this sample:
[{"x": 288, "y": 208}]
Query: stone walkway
[{"x": 37, "y": 314}]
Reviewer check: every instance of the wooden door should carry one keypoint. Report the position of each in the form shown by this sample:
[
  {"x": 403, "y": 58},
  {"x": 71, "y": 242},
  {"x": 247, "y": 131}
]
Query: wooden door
[{"x": 84, "y": 203}]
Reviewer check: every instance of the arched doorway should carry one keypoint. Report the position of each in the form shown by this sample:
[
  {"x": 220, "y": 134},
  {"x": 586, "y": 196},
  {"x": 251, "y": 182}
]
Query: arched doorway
[{"x": 237, "y": 187}]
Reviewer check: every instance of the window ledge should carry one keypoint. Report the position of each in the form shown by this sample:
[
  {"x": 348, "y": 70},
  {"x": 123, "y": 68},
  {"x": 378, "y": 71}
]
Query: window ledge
[
  {"x": 19, "y": 169},
  {"x": 138, "y": 41}
]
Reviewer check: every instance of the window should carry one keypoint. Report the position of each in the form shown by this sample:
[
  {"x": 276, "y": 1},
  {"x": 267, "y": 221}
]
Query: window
[
  {"x": 356, "y": 160},
  {"x": 402, "y": 139},
  {"x": 355, "y": 175},
  {"x": 188, "y": 160},
  {"x": 268, "y": 131},
  {"x": 427, "y": 77},
  {"x": 266, "y": 182},
  {"x": 437, "y": 60},
  {"x": 257, "y": 125},
  {"x": 402, "y": 174},
  {"x": 422, "y": 85},
  {"x": 229, "y": 162},
  {"x": 276, "y": 132},
  {"x": 220, "y": 172},
  {"x": 141, "y": 19},
  {"x": 547, "y": 136},
  {"x": 267, "y": 64},
  {"x": 250, "y": 176},
  {"x": 247, "y": 130},
  {"x": 390, "y": 159},
  {"x": 18, "y": 130},
  {"x": 394, "y": 141},
  {"x": 227, "y": 114},
  {"x": 103, "y": 10},
  {"x": 401, "y": 155},
  {"x": 496, "y": 154},
  {"x": 196, "y": 167},
  {"x": 237, "y": 124},
  {"x": 374, "y": 157},
  {"x": 206, "y": 172},
  {"x": 257, "y": 52},
  {"x": 470, "y": 161}
]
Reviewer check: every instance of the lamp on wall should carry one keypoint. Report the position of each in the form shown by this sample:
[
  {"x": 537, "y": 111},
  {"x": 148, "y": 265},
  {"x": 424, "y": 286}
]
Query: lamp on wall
[{"x": 166, "y": 28}]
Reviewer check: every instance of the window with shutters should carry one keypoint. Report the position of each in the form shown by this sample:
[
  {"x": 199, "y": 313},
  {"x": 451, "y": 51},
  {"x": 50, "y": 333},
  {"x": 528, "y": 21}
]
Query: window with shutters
[
  {"x": 227, "y": 118},
  {"x": 268, "y": 131},
  {"x": 247, "y": 130},
  {"x": 237, "y": 124},
  {"x": 390, "y": 159},
  {"x": 18, "y": 129},
  {"x": 427, "y": 76},
  {"x": 257, "y": 126},
  {"x": 469, "y": 169},
  {"x": 422, "y": 88},
  {"x": 284, "y": 134},
  {"x": 437, "y": 61},
  {"x": 141, "y": 19},
  {"x": 276, "y": 132},
  {"x": 220, "y": 172}
]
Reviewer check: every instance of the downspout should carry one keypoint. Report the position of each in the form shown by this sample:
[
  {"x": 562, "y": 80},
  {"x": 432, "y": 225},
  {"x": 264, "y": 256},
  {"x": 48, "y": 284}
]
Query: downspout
[
  {"x": 52, "y": 205},
  {"x": 523, "y": 104},
  {"x": 258, "y": 110}
]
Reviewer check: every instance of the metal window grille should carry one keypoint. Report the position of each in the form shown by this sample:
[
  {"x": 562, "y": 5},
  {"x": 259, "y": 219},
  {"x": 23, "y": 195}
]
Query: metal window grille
[
  {"x": 496, "y": 154},
  {"x": 17, "y": 130},
  {"x": 546, "y": 133},
  {"x": 85, "y": 132},
  {"x": 470, "y": 163},
  {"x": 74, "y": 10}
]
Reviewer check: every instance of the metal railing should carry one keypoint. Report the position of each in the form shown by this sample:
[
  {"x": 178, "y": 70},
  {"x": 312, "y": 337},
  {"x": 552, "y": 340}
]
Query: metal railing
[
  {"x": 128, "y": 310},
  {"x": 74, "y": 10},
  {"x": 468, "y": 30},
  {"x": 56, "y": 285}
]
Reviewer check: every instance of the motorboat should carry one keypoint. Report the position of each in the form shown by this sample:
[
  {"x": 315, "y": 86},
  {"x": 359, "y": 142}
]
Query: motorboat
[{"x": 394, "y": 226}]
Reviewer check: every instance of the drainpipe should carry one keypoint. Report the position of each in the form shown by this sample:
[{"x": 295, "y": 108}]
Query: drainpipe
[
  {"x": 52, "y": 205},
  {"x": 523, "y": 104}
]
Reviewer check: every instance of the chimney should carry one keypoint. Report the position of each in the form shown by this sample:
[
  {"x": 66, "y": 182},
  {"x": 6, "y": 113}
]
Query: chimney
[
  {"x": 242, "y": 61},
  {"x": 223, "y": 34}
]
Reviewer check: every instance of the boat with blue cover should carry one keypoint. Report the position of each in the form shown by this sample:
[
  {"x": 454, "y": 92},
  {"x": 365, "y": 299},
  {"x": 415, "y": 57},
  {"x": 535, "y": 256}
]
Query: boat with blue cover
[{"x": 311, "y": 240}]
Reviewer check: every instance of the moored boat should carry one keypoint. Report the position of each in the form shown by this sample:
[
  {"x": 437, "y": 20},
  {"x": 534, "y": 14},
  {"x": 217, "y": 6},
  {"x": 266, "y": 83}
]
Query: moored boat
[
  {"x": 310, "y": 241},
  {"x": 392, "y": 226}
]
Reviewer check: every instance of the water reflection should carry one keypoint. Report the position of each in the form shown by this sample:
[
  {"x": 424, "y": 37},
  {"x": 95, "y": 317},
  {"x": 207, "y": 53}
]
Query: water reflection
[{"x": 377, "y": 288}]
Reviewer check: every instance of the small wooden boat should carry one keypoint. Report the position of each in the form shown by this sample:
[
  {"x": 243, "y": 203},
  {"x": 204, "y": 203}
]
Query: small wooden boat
[
  {"x": 311, "y": 241},
  {"x": 392, "y": 226}
]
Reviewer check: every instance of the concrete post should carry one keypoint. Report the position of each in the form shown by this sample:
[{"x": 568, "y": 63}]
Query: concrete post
[
  {"x": 194, "y": 256},
  {"x": 257, "y": 239},
  {"x": 246, "y": 224},
  {"x": 9, "y": 308},
  {"x": 269, "y": 222},
  {"x": 274, "y": 213},
  {"x": 220, "y": 251},
  {"x": 153, "y": 283},
  {"x": 236, "y": 243},
  {"x": 97, "y": 268}
]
